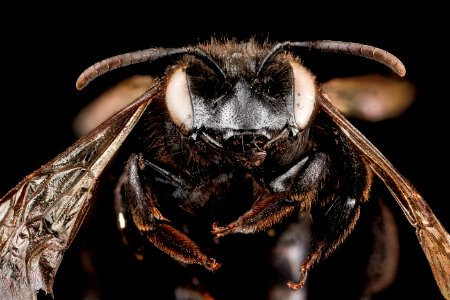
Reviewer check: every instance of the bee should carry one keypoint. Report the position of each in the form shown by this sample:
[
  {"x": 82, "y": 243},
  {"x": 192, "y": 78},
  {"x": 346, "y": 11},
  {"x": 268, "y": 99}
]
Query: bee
[{"x": 238, "y": 137}]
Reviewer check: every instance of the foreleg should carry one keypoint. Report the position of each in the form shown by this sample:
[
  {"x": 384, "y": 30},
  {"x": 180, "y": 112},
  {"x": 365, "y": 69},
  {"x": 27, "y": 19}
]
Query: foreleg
[
  {"x": 296, "y": 188},
  {"x": 333, "y": 222},
  {"x": 143, "y": 208}
]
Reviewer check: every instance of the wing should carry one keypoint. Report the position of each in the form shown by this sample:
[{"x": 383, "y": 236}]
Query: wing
[
  {"x": 40, "y": 217},
  {"x": 432, "y": 236},
  {"x": 111, "y": 101},
  {"x": 370, "y": 97}
]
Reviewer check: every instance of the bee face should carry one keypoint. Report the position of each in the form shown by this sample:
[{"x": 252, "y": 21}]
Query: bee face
[{"x": 226, "y": 121}]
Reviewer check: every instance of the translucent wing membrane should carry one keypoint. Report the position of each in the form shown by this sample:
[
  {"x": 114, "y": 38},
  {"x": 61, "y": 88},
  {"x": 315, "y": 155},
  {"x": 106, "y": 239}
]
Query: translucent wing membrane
[{"x": 40, "y": 217}]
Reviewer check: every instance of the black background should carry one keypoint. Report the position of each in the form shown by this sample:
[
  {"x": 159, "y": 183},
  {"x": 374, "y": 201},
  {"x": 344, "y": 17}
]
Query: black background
[{"x": 45, "y": 47}]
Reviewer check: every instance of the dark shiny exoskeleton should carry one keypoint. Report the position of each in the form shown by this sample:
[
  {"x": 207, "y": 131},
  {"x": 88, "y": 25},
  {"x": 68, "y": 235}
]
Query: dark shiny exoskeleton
[
  {"x": 231, "y": 138},
  {"x": 245, "y": 159}
]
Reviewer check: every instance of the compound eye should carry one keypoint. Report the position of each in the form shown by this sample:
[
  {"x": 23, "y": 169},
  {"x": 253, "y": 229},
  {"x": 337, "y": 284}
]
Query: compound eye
[
  {"x": 178, "y": 99},
  {"x": 304, "y": 95}
]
